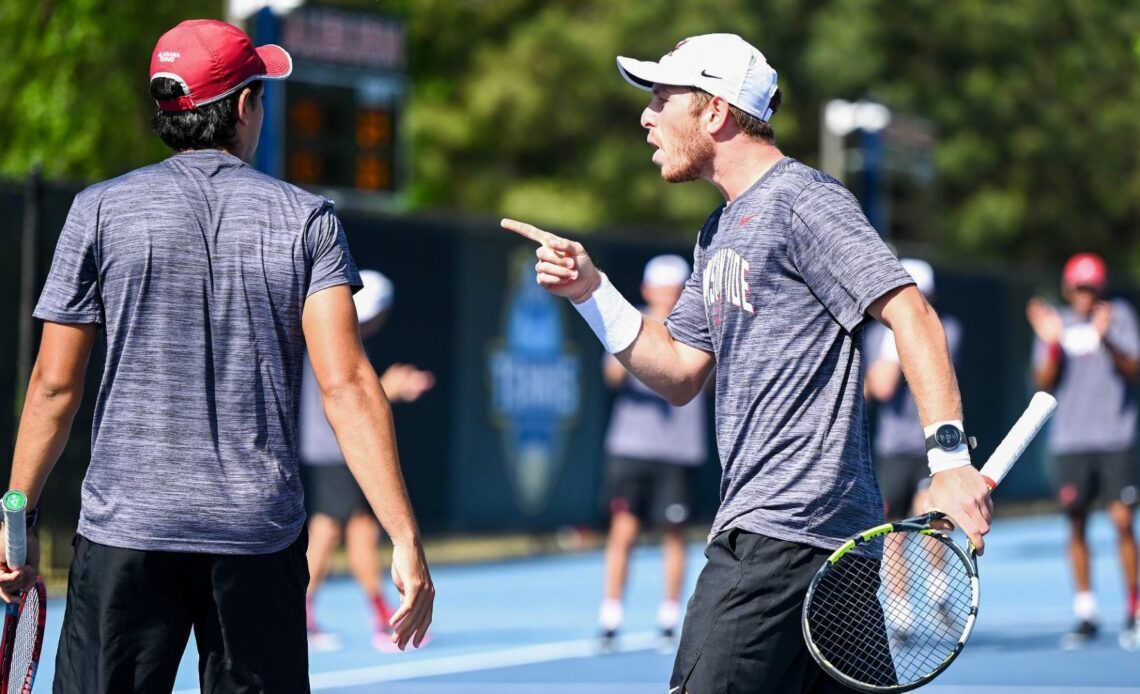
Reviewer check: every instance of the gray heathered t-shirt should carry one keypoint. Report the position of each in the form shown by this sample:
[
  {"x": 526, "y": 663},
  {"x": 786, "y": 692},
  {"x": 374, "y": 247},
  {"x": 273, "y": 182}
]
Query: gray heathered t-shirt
[
  {"x": 198, "y": 268},
  {"x": 1096, "y": 408},
  {"x": 318, "y": 440},
  {"x": 898, "y": 430},
  {"x": 782, "y": 281},
  {"x": 643, "y": 426}
]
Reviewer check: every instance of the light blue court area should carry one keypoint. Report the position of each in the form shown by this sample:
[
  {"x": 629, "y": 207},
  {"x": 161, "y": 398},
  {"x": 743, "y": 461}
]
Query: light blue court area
[{"x": 528, "y": 627}]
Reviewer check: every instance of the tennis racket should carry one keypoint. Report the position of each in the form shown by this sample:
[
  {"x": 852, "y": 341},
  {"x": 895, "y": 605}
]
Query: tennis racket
[
  {"x": 892, "y": 608},
  {"x": 23, "y": 620}
]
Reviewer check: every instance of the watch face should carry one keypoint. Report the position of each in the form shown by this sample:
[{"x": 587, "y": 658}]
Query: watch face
[{"x": 948, "y": 437}]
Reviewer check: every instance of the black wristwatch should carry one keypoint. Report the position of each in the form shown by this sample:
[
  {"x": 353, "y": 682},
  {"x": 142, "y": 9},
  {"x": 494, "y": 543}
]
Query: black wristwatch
[{"x": 948, "y": 437}]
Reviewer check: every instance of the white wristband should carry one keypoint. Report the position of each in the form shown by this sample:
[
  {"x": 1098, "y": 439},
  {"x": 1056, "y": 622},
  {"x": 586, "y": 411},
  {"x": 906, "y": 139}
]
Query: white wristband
[
  {"x": 614, "y": 320},
  {"x": 939, "y": 460}
]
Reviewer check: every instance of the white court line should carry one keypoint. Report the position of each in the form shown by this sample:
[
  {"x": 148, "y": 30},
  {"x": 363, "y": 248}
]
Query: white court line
[{"x": 471, "y": 662}]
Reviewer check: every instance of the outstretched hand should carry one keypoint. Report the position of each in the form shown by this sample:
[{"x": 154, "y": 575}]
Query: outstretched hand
[
  {"x": 405, "y": 383},
  {"x": 1045, "y": 321},
  {"x": 563, "y": 268}
]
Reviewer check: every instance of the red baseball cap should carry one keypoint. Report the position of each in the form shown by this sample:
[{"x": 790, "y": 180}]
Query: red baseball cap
[
  {"x": 1085, "y": 270},
  {"x": 212, "y": 60}
]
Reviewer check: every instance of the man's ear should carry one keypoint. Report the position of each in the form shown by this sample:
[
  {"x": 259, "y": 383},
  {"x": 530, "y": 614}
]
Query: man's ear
[
  {"x": 246, "y": 102},
  {"x": 716, "y": 114}
]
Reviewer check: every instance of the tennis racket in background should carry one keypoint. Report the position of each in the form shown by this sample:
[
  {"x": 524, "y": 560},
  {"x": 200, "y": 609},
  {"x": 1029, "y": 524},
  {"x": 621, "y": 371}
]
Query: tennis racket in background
[
  {"x": 892, "y": 607},
  {"x": 23, "y": 619}
]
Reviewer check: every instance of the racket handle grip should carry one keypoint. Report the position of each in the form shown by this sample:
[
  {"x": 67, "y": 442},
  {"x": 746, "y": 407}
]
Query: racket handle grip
[
  {"x": 15, "y": 505},
  {"x": 1040, "y": 409}
]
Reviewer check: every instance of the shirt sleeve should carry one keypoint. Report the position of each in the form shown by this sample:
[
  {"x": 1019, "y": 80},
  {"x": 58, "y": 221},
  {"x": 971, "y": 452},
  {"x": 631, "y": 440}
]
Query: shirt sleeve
[
  {"x": 71, "y": 293},
  {"x": 839, "y": 254},
  {"x": 332, "y": 262},
  {"x": 688, "y": 323},
  {"x": 1122, "y": 331}
]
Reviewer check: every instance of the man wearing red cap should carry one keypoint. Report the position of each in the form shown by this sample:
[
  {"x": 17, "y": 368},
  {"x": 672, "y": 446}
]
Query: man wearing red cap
[
  {"x": 210, "y": 280},
  {"x": 1088, "y": 355}
]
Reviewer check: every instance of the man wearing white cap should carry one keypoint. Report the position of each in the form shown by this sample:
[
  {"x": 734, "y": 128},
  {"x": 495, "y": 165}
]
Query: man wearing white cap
[
  {"x": 333, "y": 499},
  {"x": 651, "y": 450},
  {"x": 786, "y": 274},
  {"x": 209, "y": 279}
]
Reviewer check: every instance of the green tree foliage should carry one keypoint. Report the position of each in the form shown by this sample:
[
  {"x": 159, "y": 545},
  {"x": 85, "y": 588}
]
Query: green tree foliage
[
  {"x": 1035, "y": 105},
  {"x": 516, "y": 106},
  {"x": 533, "y": 119},
  {"x": 73, "y": 83}
]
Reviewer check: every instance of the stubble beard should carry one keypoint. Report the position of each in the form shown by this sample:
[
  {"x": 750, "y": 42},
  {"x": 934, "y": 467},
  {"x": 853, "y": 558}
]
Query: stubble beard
[{"x": 693, "y": 155}]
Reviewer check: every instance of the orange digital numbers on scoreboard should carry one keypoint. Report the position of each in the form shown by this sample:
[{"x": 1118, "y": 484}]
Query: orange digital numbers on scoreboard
[
  {"x": 306, "y": 166},
  {"x": 306, "y": 118},
  {"x": 373, "y": 128},
  {"x": 373, "y": 173}
]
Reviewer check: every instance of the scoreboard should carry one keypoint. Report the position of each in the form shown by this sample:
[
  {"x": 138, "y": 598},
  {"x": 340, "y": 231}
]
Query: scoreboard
[
  {"x": 340, "y": 120},
  {"x": 335, "y": 138}
]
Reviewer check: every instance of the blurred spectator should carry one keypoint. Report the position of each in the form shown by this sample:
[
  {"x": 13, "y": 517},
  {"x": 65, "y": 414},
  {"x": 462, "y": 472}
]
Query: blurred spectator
[
  {"x": 335, "y": 503},
  {"x": 651, "y": 450},
  {"x": 1087, "y": 353},
  {"x": 899, "y": 445}
]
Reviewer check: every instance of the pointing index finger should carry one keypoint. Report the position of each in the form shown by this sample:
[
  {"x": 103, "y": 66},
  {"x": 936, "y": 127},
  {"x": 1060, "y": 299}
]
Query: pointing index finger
[{"x": 529, "y": 231}]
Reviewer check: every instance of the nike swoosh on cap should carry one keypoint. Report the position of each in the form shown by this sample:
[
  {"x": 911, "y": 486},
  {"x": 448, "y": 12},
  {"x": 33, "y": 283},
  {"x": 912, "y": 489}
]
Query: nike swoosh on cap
[{"x": 705, "y": 73}]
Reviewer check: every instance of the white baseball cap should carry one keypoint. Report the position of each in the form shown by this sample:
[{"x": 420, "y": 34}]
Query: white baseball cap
[
  {"x": 723, "y": 65},
  {"x": 922, "y": 274},
  {"x": 666, "y": 271},
  {"x": 375, "y": 297}
]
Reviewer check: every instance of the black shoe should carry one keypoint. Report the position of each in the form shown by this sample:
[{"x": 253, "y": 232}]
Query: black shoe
[
  {"x": 608, "y": 640},
  {"x": 1080, "y": 636}
]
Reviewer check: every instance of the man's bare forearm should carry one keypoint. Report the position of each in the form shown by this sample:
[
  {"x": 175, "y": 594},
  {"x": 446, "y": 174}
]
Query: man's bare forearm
[
  {"x": 362, "y": 419},
  {"x": 45, "y": 425},
  {"x": 673, "y": 370},
  {"x": 925, "y": 359}
]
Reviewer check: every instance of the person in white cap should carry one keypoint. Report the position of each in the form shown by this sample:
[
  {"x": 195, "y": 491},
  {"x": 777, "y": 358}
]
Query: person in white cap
[
  {"x": 210, "y": 280},
  {"x": 786, "y": 274},
  {"x": 899, "y": 447},
  {"x": 651, "y": 451},
  {"x": 336, "y": 505}
]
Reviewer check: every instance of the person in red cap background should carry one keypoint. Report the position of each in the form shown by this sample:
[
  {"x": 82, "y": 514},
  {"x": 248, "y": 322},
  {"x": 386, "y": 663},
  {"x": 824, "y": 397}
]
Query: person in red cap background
[
  {"x": 1087, "y": 354},
  {"x": 210, "y": 280}
]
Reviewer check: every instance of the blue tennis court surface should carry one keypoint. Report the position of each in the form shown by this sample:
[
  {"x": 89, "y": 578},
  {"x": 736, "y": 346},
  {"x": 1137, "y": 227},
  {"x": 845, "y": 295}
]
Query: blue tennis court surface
[{"x": 528, "y": 626}]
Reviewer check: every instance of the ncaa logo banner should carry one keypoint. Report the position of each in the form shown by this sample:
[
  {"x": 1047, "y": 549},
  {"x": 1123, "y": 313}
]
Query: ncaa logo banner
[{"x": 534, "y": 383}]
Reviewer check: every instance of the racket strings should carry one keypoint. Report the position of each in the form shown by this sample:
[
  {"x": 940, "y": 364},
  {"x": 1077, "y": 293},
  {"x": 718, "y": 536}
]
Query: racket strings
[
  {"x": 894, "y": 621},
  {"x": 24, "y": 643}
]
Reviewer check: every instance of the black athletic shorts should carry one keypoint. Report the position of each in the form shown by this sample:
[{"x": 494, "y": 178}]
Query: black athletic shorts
[
  {"x": 655, "y": 492},
  {"x": 742, "y": 630},
  {"x": 130, "y": 613},
  {"x": 900, "y": 478},
  {"x": 332, "y": 490},
  {"x": 1084, "y": 478}
]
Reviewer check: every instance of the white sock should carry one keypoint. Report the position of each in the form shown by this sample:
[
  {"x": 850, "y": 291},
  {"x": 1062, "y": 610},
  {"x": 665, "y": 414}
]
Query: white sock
[
  {"x": 1084, "y": 605},
  {"x": 668, "y": 614},
  {"x": 609, "y": 616}
]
